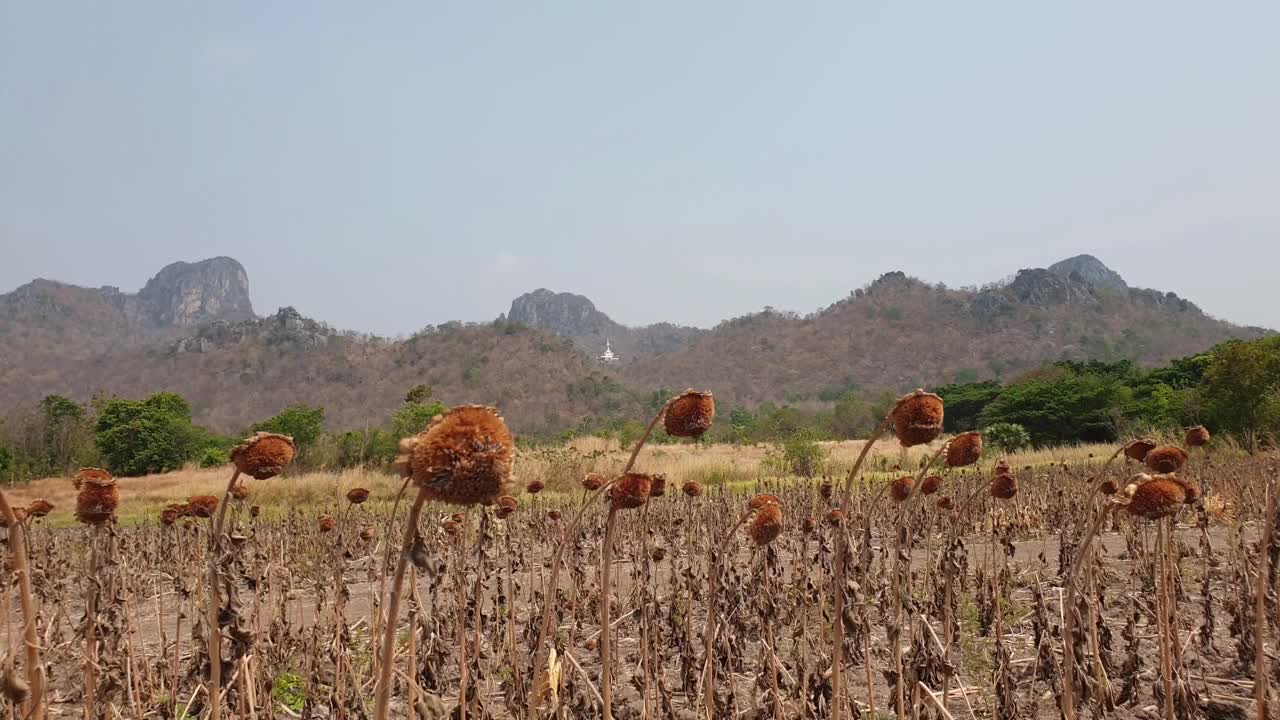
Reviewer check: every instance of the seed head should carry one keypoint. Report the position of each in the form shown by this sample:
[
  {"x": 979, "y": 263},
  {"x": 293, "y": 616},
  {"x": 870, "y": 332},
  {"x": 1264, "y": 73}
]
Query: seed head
[
  {"x": 689, "y": 415},
  {"x": 917, "y": 418},
  {"x": 368, "y": 534},
  {"x": 658, "y": 486},
  {"x": 763, "y": 499},
  {"x": 169, "y": 516},
  {"x": 593, "y": 482},
  {"x": 534, "y": 487},
  {"x": 808, "y": 524},
  {"x": 1197, "y": 436},
  {"x": 254, "y": 510},
  {"x": 945, "y": 503},
  {"x": 900, "y": 489},
  {"x": 658, "y": 553},
  {"x": 1108, "y": 487},
  {"x": 263, "y": 455},
  {"x": 19, "y": 514},
  {"x": 357, "y": 495},
  {"x": 506, "y": 506},
  {"x": 553, "y": 514},
  {"x": 451, "y": 528},
  {"x": 964, "y": 449},
  {"x": 240, "y": 491},
  {"x": 1137, "y": 449},
  {"x": 202, "y": 506},
  {"x": 464, "y": 457},
  {"x": 767, "y": 524},
  {"x": 630, "y": 491},
  {"x": 1157, "y": 496},
  {"x": 693, "y": 488},
  {"x": 327, "y": 524},
  {"x": 835, "y": 517},
  {"x": 39, "y": 508},
  {"x": 1004, "y": 487},
  {"x": 98, "y": 497},
  {"x": 826, "y": 490},
  {"x": 931, "y": 485},
  {"x": 1168, "y": 459}
]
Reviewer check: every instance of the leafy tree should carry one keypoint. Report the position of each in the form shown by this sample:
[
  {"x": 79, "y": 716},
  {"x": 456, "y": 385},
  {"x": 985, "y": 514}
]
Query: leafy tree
[
  {"x": 1006, "y": 437},
  {"x": 411, "y": 418},
  {"x": 419, "y": 394},
  {"x": 1241, "y": 388},
  {"x": 965, "y": 403},
  {"x": 301, "y": 422},
  {"x": 803, "y": 455},
  {"x": 149, "y": 436},
  {"x": 1060, "y": 407},
  {"x": 7, "y": 462}
]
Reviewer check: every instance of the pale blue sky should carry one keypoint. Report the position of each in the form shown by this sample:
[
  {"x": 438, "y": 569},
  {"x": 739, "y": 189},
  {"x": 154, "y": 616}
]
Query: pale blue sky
[{"x": 386, "y": 165}]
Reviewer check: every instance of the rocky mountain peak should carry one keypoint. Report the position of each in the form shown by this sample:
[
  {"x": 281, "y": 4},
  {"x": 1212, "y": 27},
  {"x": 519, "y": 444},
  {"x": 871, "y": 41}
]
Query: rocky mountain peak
[
  {"x": 185, "y": 294},
  {"x": 562, "y": 313},
  {"x": 1090, "y": 271}
]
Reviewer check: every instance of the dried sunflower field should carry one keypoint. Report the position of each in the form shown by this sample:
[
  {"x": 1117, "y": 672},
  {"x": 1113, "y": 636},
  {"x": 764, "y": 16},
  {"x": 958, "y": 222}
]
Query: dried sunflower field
[{"x": 941, "y": 582}]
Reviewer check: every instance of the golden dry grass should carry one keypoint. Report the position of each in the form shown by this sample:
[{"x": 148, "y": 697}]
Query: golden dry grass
[{"x": 560, "y": 468}]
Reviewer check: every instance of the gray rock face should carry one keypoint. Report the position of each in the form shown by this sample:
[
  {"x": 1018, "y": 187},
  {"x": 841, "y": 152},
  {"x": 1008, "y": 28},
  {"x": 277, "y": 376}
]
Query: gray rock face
[
  {"x": 1089, "y": 270},
  {"x": 286, "y": 328},
  {"x": 576, "y": 317},
  {"x": 186, "y": 294},
  {"x": 1044, "y": 288}
]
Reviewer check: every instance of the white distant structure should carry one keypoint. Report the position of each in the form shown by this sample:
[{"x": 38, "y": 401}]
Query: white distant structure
[{"x": 608, "y": 356}]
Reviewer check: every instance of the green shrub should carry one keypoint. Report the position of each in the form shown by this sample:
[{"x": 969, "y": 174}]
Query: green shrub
[
  {"x": 802, "y": 455},
  {"x": 1006, "y": 437},
  {"x": 303, "y": 423},
  {"x": 214, "y": 457},
  {"x": 149, "y": 436}
]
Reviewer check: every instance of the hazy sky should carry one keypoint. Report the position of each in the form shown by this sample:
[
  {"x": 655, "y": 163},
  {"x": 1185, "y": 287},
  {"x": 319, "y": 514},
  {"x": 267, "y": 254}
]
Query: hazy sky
[{"x": 386, "y": 165}]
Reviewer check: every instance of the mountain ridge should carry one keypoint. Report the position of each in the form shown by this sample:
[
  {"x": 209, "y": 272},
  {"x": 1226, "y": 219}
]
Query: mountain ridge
[{"x": 192, "y": 330}]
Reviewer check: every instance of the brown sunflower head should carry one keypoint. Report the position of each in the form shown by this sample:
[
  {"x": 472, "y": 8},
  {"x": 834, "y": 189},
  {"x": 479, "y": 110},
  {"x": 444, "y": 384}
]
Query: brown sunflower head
[
  {"x": 534, "y": 487},
  {"x": 451, "y": 527},
  {"x": 1137, "y": 449},
  {"x": 808, "y": 525},
  {"x": 767, "y": 524},
  {"x": 931, "y": 485},
  {"x": 593, "y": 482},
  {"x": 19, "y": 514},
  {"x": 254, "y": 510},
  {"x": 202, "y": 506},
  {"x": 693, "y": 488},
  {"x": 900, "y": 489},
  {"x": 1108, "y": 487},
  {"x": 506, "y": 505},
  {"x": 458, "y": 517},
  {"x": 835, "y": 517},
  {"x": 263, "y": 455},
  {"x": 327, "y": 524},
  {"x": 87, "y": 473},
  {"x": 357, "y": 495},
  {"x": 1197, "y": 436},
  {"x": 1167, "y": 459},
  {"x": 658, "y": 553},
  {"x": 1004, "y": 487},
  {"x": 553, "y": 515},
  {"x": 689, "y": 415},
  {"x": 630, "y": 491},
  {"x": 368, "y": 534},
  {"x": 964, "y": 449},
  {"x": 464, "y": 457},
  {"x": 945, "y": 503},
  {"x": 39, "y": 508},
  {"x": 240, "y": 491},
  {"x": 658, "y": 486},
  {"x": 917, "y": 418},
  {"x": 98, "y": 497},
  {"x": 763, "y": 499},
  {"x": 1157, "y": 496},
  {"x": 169, "y": 516},
  {"x": 826, "y": 490}
]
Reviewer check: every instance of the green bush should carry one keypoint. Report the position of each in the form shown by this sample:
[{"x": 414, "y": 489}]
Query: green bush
[
  {"x": 802, "y": 454},
  {"x": 1006, "y": 437},
  {"x": 214, "y": 457},
  {"x": 149, "y": 436},
  {"x": 303, "y": 423}
]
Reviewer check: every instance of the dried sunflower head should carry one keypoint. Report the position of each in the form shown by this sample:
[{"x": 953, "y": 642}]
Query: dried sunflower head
[
  {"x": 1157, "y": 496},
  {"x": 534, "y": 487},
  {"x": 98, "y": 497},
  {"x": 464, "y": 457},
  {"x": 1168, "y": 459},
  {"x": 964, "y": 449},
  {"x": 693, "y": 488},
  {"x": 900, "y": 489},
  {"x": 506, "y": 506},
  {"x": 357, "y": 495},
  {"x": 917, "y": 418},
  {"x": 593, "y": 482},
  {"x": 240, "y": 491},
  {"x": 630, "y": 491},
  {"x": 1197, "y": 436},
  {"x": 689, "y": 415},
  {"x": 763, "y": 499},
  {"x": 931, "y": 485},
  {"x": 767, "y": 524},
  {"x": 658, "y": 486},
  {"x": 202, "y": 506},
  {"x": 1137, "y": 449},
  {"x": 39, "y": 508},
  {"x": 263, "y": 455},
  {"x": 327, "y": 524},
  {"x": 1004, "y": 487}
]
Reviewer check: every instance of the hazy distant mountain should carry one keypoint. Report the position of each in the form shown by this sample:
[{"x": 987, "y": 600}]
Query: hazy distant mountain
[
  {"x": 192, "y": 330},
  {"x": 575, "y": 317}
]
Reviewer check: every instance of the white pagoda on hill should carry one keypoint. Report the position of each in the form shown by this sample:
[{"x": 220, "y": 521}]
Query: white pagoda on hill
[{"x": 608, "y": 357}]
